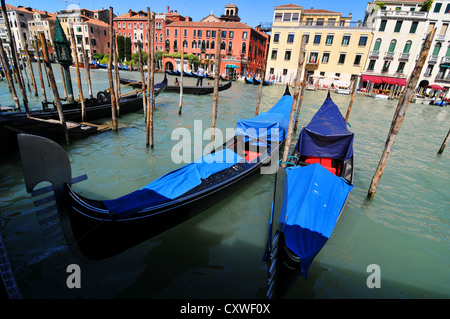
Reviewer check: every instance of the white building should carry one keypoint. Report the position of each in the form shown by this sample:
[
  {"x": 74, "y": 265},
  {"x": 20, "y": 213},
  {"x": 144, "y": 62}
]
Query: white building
[{"x": 399, "y": 30}]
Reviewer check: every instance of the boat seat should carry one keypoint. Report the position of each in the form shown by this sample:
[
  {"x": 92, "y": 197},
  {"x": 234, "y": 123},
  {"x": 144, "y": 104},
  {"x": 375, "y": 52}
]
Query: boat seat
[
  {"x": 332, "y": 165},
  {"x": 250, "y": 156}
]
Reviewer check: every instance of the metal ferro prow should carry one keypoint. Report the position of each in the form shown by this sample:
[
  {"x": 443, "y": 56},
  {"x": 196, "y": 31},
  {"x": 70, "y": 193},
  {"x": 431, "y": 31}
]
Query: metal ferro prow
[{"x": 44, "y": 160}]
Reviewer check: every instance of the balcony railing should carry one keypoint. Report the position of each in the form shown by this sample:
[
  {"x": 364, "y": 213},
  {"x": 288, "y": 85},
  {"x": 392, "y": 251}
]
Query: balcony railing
[
  {"x": 400, "y": 13},
  {"x": 433, "y": 59},
  {"x": 389, "y": 55},
  {"x": 374, "y": 54},
  {"x": 404, "y": 56}
]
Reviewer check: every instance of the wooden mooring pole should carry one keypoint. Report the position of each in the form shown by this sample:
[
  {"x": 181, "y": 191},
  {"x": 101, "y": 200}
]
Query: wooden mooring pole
[
  {"x": 355, "y": 80},
  {"x": 8, "y": 75},
  {"x": 400, "y": 113},
  {"x": 151, "y": 77},
  {"x": 216, "y": 87},
  {"x": 444, "y": 144},
  {"x": 77, "y": 67},
  {"x": 141, "y": 69},
  {"x": 51, "y": 76},
  {"x": 299, "y": 106},
  {"x": 41, "y": 79},
  {"x": 181, "y": 82},
  {"x": 298, "y": 78},
  {"x": 87, "y": 70},
  {"x": 110, "y": 76},
  {"x": 15, "y": 64},
  {"x": 263, "y": 75},
  {"x": 33, "y": 80}
]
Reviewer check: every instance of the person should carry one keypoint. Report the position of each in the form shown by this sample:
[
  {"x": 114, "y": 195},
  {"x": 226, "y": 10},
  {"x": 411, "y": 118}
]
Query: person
[
  {"x": 176, "y": 82},
  {"x": 201, "y": 73}
]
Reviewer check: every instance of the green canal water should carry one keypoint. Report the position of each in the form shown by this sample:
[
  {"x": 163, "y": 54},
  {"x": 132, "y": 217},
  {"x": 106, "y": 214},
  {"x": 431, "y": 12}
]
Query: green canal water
[{"x": 404, "y": 229}]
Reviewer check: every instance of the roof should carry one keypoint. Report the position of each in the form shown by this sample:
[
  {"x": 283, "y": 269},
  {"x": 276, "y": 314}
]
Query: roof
[
  {"x": 222, "y": 24},
  {"x": 94, "y": 21},
  {"x": 319, "y": 11},
  {"x": 289, "y": 6}
]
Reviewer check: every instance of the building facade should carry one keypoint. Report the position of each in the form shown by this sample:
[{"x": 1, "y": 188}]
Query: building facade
[
  {"x": 243, "y": 49},
  {"x": 336, "y": 48},
  {"x": 18, "y": 18},
  {"x": 134, "y": 25},
  {"x": 44, "y": 22}
]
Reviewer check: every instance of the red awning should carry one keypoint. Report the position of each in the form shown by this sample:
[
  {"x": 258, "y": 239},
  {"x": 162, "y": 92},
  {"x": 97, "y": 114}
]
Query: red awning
[
  {"x": 383, "y": 79},
  {"x": 435, "y": 87}
]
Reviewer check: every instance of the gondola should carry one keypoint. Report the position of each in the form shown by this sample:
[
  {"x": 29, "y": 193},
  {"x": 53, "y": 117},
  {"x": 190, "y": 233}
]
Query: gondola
[
  {"x": 187, "y": 89},
  {"x": 310, "y": 194},
  {"x": 255, "y": 81},
  {"x": 97, "y": 108},
  {"x": 105, "y": 66},
  {"x": 248, "y": 81},
  {"x": 99, "y": 229}
]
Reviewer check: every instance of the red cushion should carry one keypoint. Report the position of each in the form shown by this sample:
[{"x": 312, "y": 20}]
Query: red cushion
[
  {"x": 325, "y": 162},
  {"x": 250, "y": 156}
]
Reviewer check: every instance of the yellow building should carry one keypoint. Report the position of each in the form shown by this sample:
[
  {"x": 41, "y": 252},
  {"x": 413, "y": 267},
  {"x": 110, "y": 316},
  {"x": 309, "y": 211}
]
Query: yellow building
[{"x": 336, "y": 48}]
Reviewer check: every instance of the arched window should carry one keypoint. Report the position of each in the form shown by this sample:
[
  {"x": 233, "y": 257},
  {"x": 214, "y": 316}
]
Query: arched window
[
  {"x": 437, "y": 48},
  {"x": 392, "y": 45},
  {"x": 244, "y": 48},
  {"x": 185, "y": 44},
  {"x": 377, "y": 45},
  {"x": 230, "y": 46},
  {"x": 203, "y": 45},
  {"x": 194, "y": 44},
  {"x": 407, "y": 47},
  {"x": 222, "y": 45},
  {"x": 175, "y": 44},
  {"x": 207, "y": 44},
  {"x": 213, "y": 45},
  {"x": 167, "y": 44}
]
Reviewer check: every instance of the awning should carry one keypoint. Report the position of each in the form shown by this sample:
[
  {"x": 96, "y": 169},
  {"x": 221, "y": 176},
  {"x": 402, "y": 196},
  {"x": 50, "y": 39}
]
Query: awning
[
  {"x": 383, "y": 79},
  {"x": 435, "y": 87},
  {"x": 232, "y": 66}
]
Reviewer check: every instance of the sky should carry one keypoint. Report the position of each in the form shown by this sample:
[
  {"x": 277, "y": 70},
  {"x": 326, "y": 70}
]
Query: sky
[{"x": 251, "y": 12}]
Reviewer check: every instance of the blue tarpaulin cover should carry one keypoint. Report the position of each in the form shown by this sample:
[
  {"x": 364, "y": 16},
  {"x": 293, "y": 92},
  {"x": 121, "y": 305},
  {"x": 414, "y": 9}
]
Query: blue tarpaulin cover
[
  {"x": 313, "y": 201},
  {"x": 175, "y": 183},
  {"x": 271, "y": 125},
  {"x": 326, "y": 135}
]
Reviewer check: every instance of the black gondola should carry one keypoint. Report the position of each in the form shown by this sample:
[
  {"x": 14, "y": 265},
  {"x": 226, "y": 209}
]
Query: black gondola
[
  {"x": 309, "y": 197},
  {"x": 97, "y": 230},
  {"x": 187, "y": 89},
  {"x": 248, "y": 81},
  {"x": 95, "y": 108}
]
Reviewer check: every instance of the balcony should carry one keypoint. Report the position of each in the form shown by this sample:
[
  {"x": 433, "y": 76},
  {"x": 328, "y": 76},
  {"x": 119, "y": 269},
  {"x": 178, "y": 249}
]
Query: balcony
[
  {"x": 374, "y": 54},
  {"x": 445, "y": 60},
  {"x": 402, "y": 14},
  {"x": 440, "y": 37},
  {"x": 403, "y": 57},
  {"x": 389, "y": 55},
  {"x": 433, "y": 59}
]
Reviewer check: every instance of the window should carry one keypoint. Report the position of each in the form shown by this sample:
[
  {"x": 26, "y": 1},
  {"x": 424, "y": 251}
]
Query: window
[
  {"x": 185, "y": 33},
  {"x": 382, "y": 25},
  {"x": 329, "y": 40},
  {"x": 413, "y": 28},
  {"x": 271, "y": 70},
  {"x": 141, "y": 26},
  {"x": 429, "y": 70},
  {"x": 346, "y": 40},
  {"x": 244, "y": 35},
  {"x": 213, "y": 33},
  {"x": 287, "y": 17},
  {"x": 213, "y": 46},
  {"x": 386, "y": 65},
  {"x": 447, "y": 8},
  {"x": 287, "y": 55},
  {"x": 222, "y": 45},
  {"x": 357, "y": 59},
  {"x": 199, "y": 33},
  {"x": 194, "y": 44},
  {"x": 401, "y": 67},
  {"x": 317, "y": 39},
  {"x": 208, "y": 33},
  {"x": 185, "y": 44},
  {"x": 320, "y": 21},
  {"x": 307, "y": 38},
  {"x": 325, "y": 57},
  {"x": 371, "y": 66},
  {"x": 295, "y": 16},
  {"x": 244, "y": 48},
  {"x": 290, "y": 38},
  {"x": 407, "y": 47},
  {"x": 363, "y": 40},
  {"x": 331, "y": 22},
  {"x": 92, "y": 29},
  {"x": 341, "y": 58},
  {"x": 276, "y": 38},
  {"x": 167, "y": 32},
  {"x": 278, "y": 16},
  {"x": 93, "y": 42},
  {"x": 118, "y": 25},
  {"x": 437, "y": 48},
  {"x": 194, "y": 33},
  {"x": 285, "y": 71},
  {"x": 398, "y": 26},
  {"x": 176, "y": 32},
  {"x": 313, "y": 57},
  {"x": 392, "y": 45},
  {"x": 437, "y": 7},
  {"x": 274, "y": 54},
  {"x": 224, "y": 34},
  {"x": 377, "y": 45},
  {"x": 309, "y": 21},
  {"x": 230, "y": 46}
]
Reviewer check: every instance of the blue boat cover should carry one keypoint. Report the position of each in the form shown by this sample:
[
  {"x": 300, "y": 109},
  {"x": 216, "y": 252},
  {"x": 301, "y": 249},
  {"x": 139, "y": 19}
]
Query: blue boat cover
[
  {"x": 326, "y": 135},
  {"x": 313, "y": 201},
  {"x": 270, "y": 126},
  {"x": 173, "y": 184}
]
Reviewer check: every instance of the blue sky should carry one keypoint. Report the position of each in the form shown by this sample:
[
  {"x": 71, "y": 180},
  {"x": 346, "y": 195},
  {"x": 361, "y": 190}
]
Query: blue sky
[{"x": 251, "y": 12}]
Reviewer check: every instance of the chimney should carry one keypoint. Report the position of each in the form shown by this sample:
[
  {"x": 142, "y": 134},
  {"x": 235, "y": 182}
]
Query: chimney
[
  {"x": 168, "y": 9},
  {"x": 175, "y": 11}
]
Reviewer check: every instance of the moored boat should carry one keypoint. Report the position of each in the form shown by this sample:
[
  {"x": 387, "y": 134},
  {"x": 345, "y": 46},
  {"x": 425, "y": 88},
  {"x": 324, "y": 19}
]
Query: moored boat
[
  {"x": 310, "y": 195},
  {"x": 248, "y": 81},
  {"x": 187, "y": 89},
  {"x": 99, "y": 229}
]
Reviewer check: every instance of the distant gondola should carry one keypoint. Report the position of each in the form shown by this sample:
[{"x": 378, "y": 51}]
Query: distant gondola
[
  {"x": 105, "y": 66},
  {"x": 99, "y": 229},
  {"x": 248, "y": 81},
  {"x": 187, "y": 89}
]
